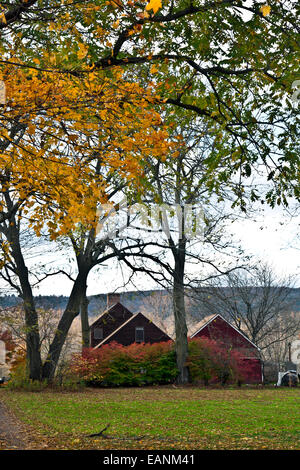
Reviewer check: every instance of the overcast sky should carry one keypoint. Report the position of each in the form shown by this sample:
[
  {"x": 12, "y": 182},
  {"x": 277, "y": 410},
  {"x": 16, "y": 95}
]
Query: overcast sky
[{"x": 271, "y": 236}]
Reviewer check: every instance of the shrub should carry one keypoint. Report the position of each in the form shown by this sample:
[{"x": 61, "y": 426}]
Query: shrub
[
  {"x": 134, "y": 365},
  {"x": 213, "y": 362},
  {"x": 150, "y": 364},
  {"x": 18, "y": 370},
  {"x": 19, "y": 379},
  {"x": 200, "y": 361},
  {"x": 10, "y": 345}
]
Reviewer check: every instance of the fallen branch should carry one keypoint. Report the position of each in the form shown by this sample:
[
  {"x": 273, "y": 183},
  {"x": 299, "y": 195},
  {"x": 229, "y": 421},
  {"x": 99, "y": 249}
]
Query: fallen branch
[{"x": 99, "y": 434}]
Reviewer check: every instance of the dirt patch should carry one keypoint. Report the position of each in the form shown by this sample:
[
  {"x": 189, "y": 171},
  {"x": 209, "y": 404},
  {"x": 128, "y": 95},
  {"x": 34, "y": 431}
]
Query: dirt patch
[{"x": 12, "y": 433}]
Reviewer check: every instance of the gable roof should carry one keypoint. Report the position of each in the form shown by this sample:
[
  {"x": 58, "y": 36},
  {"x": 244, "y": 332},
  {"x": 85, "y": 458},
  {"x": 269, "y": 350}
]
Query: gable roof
[
  {"x": 196, "y": 327},
  {"x": 122, "y": 326},
  {"x": 116, "y": 330},
  {"x": 203, "y": 323},
  {"x": 108, "y": 310}
]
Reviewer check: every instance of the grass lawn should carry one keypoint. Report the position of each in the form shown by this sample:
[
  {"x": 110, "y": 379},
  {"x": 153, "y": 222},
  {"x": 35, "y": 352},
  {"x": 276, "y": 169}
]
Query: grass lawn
[{"x": 161, "y": 418}]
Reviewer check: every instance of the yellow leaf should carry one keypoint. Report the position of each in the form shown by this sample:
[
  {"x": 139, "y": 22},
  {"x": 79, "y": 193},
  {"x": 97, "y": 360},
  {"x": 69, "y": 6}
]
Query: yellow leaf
[
  {"x": 52, "y": 59},
  {"x": 83, "y": 50},
  {"x": 265, "y": 9},
  {"x": 154, "y": 69},
  {"x": 154, "y": 5},
  {"x": 117, "y": 4},
  {"x": 31, "y": 129}
]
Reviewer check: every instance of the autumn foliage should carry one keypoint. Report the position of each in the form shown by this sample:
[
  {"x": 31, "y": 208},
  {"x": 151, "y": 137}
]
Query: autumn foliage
[
  {"x": 10, "y": 344},
  {"x": 150, "y": 364},
  {"x": 213, "y": 362},
  {"x": 66, "y": 137},
  {"x": 137, "y": 364},
  {"x": 90, "y": 86}
]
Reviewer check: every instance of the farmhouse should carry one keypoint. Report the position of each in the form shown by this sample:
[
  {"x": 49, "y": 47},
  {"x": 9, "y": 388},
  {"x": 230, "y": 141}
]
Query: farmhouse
[
  {"x": 118, "y": 324},
  {"x": 109, "y": 321},
  {"x": 216, "y": 328}
]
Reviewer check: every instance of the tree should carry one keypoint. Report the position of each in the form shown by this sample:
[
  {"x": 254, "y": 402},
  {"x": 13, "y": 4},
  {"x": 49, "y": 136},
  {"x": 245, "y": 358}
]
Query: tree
[
  {"x": 190, "y": 229},
  {"x": 206, "y": 58},
  {"x": 61, "y": 184},
  {"x": 257, "y": 302},
  {"x": 231, "y": 63},
  {"x": 13, "y": 319}
]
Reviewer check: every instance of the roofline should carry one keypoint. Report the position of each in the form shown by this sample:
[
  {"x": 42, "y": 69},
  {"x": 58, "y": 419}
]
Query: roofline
[
  {"x": 107, "y": 310},
  {"x": 232, "y": 326},
  {"x": 126, "y": 323},
  {"x": 191, "y": 327},
  {"x": 205, "y": 324},
  {"x": 115, "y": 331}
]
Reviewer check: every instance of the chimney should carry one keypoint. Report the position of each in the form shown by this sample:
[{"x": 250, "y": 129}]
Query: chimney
[{"x": 112, "y": 299}]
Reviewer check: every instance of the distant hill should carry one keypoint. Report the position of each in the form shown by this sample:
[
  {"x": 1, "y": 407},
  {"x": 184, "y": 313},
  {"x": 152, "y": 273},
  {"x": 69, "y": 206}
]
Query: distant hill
[
  {"x": 158, "y": 302},
  {"x": 155, "y": 304},
  {"x": 134, "y": 301}
]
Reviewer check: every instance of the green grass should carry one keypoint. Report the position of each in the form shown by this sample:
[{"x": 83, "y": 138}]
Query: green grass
[{"x": 164, "y": 417}]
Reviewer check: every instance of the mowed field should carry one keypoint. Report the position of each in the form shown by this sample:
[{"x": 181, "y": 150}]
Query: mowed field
[{"x": 160, "y": 418}]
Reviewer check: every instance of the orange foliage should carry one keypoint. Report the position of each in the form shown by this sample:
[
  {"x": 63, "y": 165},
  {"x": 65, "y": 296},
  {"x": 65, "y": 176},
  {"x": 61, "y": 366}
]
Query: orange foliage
[
  {"x": 65, "y": 135},
  {"x": 10, "y": 344}
]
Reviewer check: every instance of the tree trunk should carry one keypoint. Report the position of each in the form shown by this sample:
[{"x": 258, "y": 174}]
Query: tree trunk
[
  {"x": 33, "y": 354},
  {"x": 71, "y": 312},
  {"x": 181, "y": 342},
  {"x": 85, "y": 328}
]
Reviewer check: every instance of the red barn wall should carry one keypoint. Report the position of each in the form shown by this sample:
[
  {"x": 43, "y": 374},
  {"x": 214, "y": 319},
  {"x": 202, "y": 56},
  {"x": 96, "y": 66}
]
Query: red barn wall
[
  {"x": 110, "y": 321},
  {"x": 152, "y": 334},
  {"x": 253, "y": 371},
  {"x": 221, "y": 331}
]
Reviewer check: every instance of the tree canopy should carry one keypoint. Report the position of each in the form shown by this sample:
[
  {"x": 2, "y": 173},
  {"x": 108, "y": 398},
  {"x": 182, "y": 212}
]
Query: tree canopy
[
  {"x": 231, "y": 62},
  {"x": 94, "y": 87}
]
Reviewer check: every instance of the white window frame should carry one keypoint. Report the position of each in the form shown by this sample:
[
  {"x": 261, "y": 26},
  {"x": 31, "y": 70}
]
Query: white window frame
[{"x": 139, "y": 328}]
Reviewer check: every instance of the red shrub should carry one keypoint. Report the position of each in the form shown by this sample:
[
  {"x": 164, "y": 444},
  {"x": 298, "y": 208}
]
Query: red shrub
[
  {"x": 210, "y": 361},
  {"x": 137, "y": 364}
]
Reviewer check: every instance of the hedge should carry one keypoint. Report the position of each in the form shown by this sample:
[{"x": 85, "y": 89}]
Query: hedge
[
  {"x": 134, "y": 365},
  {"x": 150, "y": 364}
]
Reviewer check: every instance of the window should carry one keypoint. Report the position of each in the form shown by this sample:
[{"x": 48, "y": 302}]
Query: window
[
  {"x": 98, "y": 333},
  {"x": 139, "y": 334}
]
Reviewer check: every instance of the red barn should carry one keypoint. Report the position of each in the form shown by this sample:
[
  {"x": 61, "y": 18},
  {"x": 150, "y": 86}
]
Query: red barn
[
  {"x": 108, "y": 322},
  {"x": 118, "y": 324},
  {"x": 137, "y": 329},
  {"x": 216, "y": 328}
]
